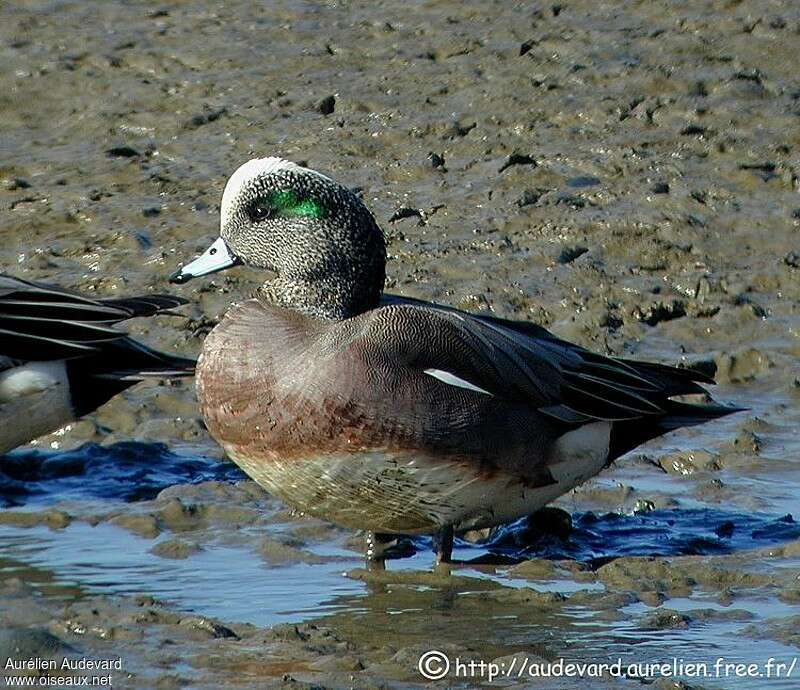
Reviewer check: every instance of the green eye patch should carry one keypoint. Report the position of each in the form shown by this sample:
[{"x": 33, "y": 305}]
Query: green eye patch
[{"x": 287, "y": 203}]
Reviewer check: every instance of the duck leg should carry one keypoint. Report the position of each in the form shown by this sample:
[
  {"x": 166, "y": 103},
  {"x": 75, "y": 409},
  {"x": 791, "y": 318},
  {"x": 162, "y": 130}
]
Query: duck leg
[
  {"x": 377, "y": 546},
  {"x": 443, "y": 545}
]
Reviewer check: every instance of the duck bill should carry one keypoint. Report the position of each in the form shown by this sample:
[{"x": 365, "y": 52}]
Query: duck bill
[{"x": 217, "y": 257}]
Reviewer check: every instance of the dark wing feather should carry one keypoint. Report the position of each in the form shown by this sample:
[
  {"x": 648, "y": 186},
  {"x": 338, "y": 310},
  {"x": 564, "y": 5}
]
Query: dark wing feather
[
  {"x": 75, "y": 311},
  {"x": 67, "y": 329},
  {"x": 27, "y": 289},
  {"x": 24, "y": 347},
  {"x": 43, "y": 322},
  {"x": 522, "y": 361},
  {"x": 147, "y": 305}
]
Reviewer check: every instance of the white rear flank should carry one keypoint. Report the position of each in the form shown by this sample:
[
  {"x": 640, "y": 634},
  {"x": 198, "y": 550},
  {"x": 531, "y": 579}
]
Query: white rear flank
[
  {"x": 34, "y": 400},
  {"x": 580, "y": 454},
  {"x": 589, "y": 442}
]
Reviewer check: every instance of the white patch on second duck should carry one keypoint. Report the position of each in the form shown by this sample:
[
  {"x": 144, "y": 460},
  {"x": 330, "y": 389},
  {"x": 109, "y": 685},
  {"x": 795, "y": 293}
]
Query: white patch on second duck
[
  {"x": 32, "y": 378},
  {"x": 453, "y": 380},
  {"x": 34, "y": 400},
  {"x": 582, "y": 452},
  {"x": 257, "y": 167}
]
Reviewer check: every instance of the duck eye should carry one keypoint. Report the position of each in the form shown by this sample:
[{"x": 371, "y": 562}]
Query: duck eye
[{"x": 259, "y": 210}]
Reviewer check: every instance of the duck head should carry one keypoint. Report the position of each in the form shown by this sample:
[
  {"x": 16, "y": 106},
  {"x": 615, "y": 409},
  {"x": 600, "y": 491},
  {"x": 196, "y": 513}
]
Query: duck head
[{"x": 319, "y": 240}]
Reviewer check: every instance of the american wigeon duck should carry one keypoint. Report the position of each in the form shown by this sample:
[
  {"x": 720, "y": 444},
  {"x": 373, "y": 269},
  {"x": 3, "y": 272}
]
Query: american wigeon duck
[
  {"x": 391, "y": 414},
  {"x": 61, "y": 357}
]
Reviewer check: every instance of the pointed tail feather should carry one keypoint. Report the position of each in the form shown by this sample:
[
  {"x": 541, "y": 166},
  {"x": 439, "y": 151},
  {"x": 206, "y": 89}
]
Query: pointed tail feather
[
  {"x": 138, "y": 362},
  {"x": 172, "y": 368},
  {"x": 629, "y": 434},
  {"x": 146, "y": 305},
  {"x": 119, "y": 365},
  {"x": 683, "y": 414}
]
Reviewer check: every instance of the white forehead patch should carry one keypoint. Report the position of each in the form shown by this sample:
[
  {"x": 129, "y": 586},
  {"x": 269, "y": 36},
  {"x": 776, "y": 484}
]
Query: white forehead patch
[{"x": 257, "y": 167}]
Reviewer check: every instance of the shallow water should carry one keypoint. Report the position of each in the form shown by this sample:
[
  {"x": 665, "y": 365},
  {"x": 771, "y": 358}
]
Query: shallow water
[
  {"x": 107, "y": 559},
  {"x": 239, "y": 584},
  {"x": 110, "y": 560}
]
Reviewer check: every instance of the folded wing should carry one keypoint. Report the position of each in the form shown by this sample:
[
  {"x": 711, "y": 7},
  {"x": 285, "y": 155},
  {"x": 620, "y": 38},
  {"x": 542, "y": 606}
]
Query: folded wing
[{"x": 521, "y": 361}]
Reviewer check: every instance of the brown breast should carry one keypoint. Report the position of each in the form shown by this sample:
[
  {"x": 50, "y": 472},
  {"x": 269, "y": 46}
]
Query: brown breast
[{"x": 274, "y": 384}]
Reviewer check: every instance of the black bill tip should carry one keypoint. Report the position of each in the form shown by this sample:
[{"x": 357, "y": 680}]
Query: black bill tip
[{"x": 179, "y": 277}]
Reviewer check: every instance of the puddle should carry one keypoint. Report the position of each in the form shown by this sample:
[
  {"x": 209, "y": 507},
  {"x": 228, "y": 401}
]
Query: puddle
[{"x": 230, "y": 576}]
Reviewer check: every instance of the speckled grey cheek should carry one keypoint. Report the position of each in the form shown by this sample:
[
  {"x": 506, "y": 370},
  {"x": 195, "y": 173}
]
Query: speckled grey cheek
[{"x": 332, "y": 267}]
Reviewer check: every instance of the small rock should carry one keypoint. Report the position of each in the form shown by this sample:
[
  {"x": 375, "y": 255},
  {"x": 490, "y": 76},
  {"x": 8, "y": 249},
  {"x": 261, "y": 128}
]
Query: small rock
[
  {"x": 571, "y": 200},
  {"x": 141, "y": 525},
  {"x": 204, "y": 118},
  {"x": 689, "y": 462},
  {"x": 214, "y": 629},
  {"x": 460, "y": 129},
  {"x": 327, "y": 105},
  {"x": 517, "y": 159},
  {"x": 122, "y": 152},
  {"x": 529, "y": 197},
  {"x": 661, "y": 311},
  {"x": 175, "y": 548},
  {"x": 660, "y": 188},
  {"x": 17, "y": 183},
  {"x": 405, "y": 212},
  {"x": 536, "y": 569},
  {"x": 747, "y": 441},
  {"x": 742, "y": 366},
  {"x": 54, "y": 519},
  {"x": 569, "y": 254},
  {"x": 644, "y": 505},
  {"x": 666, "y": 619},
  {"x": 437, "y": 160},
  {"x": 693, "y": 130},
  {"x": 277, "y": 553}
]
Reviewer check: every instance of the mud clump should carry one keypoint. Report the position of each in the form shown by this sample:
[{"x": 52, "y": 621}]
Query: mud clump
[
  {"x": 176, "y": 548},
  {"x": 645, "y": 574},
  {"x": 742, "y": 366}
]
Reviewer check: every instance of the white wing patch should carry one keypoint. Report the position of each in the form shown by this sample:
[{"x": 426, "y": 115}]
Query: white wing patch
[{"x": 453, "y": 380}]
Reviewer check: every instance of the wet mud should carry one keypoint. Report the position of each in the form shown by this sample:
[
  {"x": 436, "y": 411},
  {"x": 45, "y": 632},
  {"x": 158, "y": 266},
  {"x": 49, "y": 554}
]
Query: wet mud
[{"x": 625, "y": 174}]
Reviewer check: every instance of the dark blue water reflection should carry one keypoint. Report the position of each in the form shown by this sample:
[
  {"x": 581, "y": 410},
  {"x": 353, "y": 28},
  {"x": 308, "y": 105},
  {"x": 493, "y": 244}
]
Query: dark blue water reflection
[
  {"x": 132, "y": 471},
  {"x": 128, "y": 471}
]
